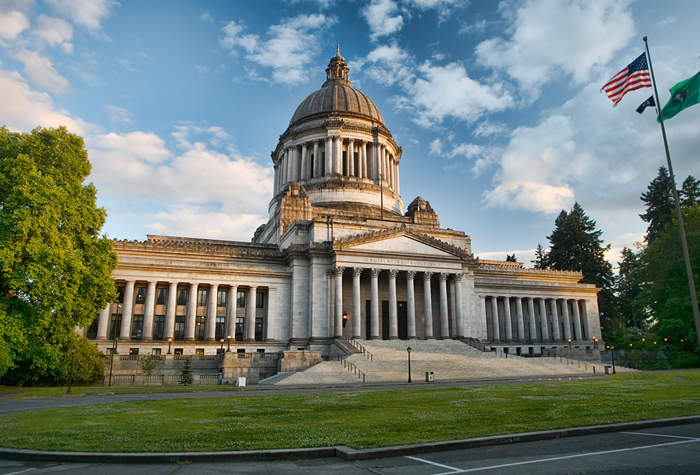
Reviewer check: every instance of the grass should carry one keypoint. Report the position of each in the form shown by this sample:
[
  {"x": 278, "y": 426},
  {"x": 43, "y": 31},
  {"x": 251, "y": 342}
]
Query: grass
[
  {"x": 355, "y": 419},
  {"x": 7, "y": 392}
]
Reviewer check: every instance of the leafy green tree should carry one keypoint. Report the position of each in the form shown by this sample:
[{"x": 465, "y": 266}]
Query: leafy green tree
[
  {"x": 665, "y": 286},
  {"x": 659, "y": 204},
  {"x": 628, "y": 287},
  {"x": 55, "y": 269},
  {"x": 540, "y": 261},
  {"x": 690, "y": 192},
  {"x": 575, "y": 245},
  {"x": 149, "y": 364},
  {"x": 510, "y": 258},
  {"x": 186, "y": 378}
]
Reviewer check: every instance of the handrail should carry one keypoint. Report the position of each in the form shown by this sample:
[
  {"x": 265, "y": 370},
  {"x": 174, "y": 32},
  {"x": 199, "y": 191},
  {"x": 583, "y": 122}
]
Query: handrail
[
  {"x": 357, "y": 345},
  {"x": 355, "y": 370}
]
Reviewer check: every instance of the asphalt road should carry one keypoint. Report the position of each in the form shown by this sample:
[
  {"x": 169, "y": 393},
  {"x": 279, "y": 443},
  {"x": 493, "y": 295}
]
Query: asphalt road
[{"x": 663, "y": 451}]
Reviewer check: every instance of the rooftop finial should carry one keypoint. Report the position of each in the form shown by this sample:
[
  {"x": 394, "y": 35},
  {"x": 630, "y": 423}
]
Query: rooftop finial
[{"x": 337, "y": 51}]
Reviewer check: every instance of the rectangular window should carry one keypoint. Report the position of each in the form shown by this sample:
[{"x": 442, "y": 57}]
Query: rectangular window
[
  {"x": 323, "y": 163},
  {"x": 158, "y": 327},
  {"x": 345, "y": 164},
  {"x": 239, "y": 328},
  {"x": 221, "y": 298},
  {"x": 182, "y": 297},
  {"x": 137, "y": 327},
  {"x": 162, "y": 293},
  {"x": 220, "y": 351},
  {"x": 115, "y": 326},
  {"x": 259, "y": 300},
  {"x": 311, "y": 166},
  {"x": 140, "y": 295},
  {"x": 200, "y": 325},
  {"x": 179, "y": 328},
  {"x": 155, "y": 352},
  {"x": 178, "y": 351},
  {"x": 220, "y": 328},
  {"x": 202, "y": 297},
  {"x": 133, "y": 351},
  {"x": 241, "y": 299},
  {"x": 199, "y": 351},
  {"x": 258, "y": 329}
]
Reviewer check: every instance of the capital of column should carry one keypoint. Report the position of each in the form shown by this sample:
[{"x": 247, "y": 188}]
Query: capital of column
[
  {"x": 375, "y": 272},
  {"x": 357, "y": 271},
  {"x": 393, "y": 272},
  {"x": 411, "y": 274},
  {"x": 427, "y": 275},
  {"x": 444, "y": 276},
  {"x": 339, "y": 270},
  {"x": 458, "y": 277}
]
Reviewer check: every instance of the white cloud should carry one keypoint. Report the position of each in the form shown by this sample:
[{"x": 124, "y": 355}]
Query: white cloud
[
  {"x": 201, "y": 69},
  {"x": 206, "y": 17},
  {"x": 288, "y": 49},
  {"x": 476, "y": 27},
  {"x": 444, "y": 7},
  {"x": 487, "y": 129},
  {"x": 42, "y": 72},
  {"x": 87, "y": 13},
  {"x": 200, "y": 192},
  {"x": 54, "y": 32},
  {"x": 380, "y": 20},
  {"x": 12, "y": 23},
  {"x": 118, "y": 114},
  {"x": 554, "y": 37},
  {"x": 23, "y": 109},
  {"x": 388, "y": 65},
  {"x": 436, "y": 147}
]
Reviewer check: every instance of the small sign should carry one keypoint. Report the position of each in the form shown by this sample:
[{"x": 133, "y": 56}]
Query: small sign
[{"x": 241, "y": 382}]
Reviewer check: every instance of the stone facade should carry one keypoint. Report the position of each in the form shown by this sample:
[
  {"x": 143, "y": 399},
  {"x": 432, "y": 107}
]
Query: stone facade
[{"x": 338, "y": 258}]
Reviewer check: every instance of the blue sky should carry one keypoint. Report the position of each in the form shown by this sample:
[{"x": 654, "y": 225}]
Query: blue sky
[{"x": 497, "y": 105}]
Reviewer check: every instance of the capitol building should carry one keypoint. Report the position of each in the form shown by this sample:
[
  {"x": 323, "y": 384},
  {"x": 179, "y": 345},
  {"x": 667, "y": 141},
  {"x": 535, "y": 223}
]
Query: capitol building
[{"x": 340, "y": 258}]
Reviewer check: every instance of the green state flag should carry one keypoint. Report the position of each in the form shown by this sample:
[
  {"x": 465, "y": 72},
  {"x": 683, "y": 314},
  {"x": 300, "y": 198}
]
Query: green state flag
[{"x": 683, "y": 95}]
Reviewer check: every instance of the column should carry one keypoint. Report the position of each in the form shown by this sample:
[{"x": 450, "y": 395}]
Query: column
[
  {"x": 364, "y": 173},
  {"x": 544, "y": 328},
  {"x": 428, "y": 305},
  {"x": 458, "y": 305},
  {"x": 250, "y": 314},
  {"x": 393, "y": 317},
  {"x": 149, "y": 311},
  {"x": 374, "y": 296},
  {"x": 170, "y": 311},
  {"x": 210, "y": 331},
  {"x": 506, "y": 319},
  {"x": 411, "y": 305},
  {"x": 231, "y": 307},
  {"x": 585, "y": 323},
  {"x": 338, "y": 327},
  {"x": 531, "y": 315},
  {"x": 276, "y": 185},
  {"x": 519, "y": 317},
  {"x": 556, "y": 335},
  {"x": 356, "y": 303},
  {"x": 290, "y": 164},
  {"x": 444, "y": 320},
  {"x": 317, "y": 161},
  {"x": 576, "y": 319},
  {"x": 191, "y": 312},
  {"x": 103, "y": 322},
  {"x": 494, "y": 319},
  {"x": 127, "y": 311},
  {"x": 329, "y": 155},
  {"x": 351, "y": 158},
  {"x": 398, "y": 182},
  {"x": 304, "y": 163},
  {"x": 339, "y": 155},
  {"x": 565, "y": 318}
]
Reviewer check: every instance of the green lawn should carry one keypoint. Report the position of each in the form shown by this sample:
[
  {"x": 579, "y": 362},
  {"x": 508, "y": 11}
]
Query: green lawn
[
  {"x": 355, "y": 419},
  {"x": 22, "y": 392}
]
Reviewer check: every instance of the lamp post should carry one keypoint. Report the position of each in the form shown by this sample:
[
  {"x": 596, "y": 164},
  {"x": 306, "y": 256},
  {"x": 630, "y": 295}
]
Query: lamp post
[
  {"x": 222, "y": 345},
  {"x": 70, "y": 379},
  {"x": 408, "y": 350},
  {"x": 612, "y": 351},
  {"x": 170, "y": 343},
  {"x": 595, "y": 342},
  {"x": 345, "y": 319},
  {"x": 569, "y": 343},
  {"x": 111, "y": 360},
  {"x": 228, "y": 343}
]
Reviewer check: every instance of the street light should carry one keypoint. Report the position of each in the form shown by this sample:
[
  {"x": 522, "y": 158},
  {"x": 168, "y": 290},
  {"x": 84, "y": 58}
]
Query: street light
[
  {"x": 170, "y": 343},
  {"x": 111, "y": 360},
  {"x": 612, "y": 351},
  {"x": 70, "y": 380},
  {"x": 569, "y": 343},
  {"x": 595, "y": 342},
  {"x": 345, "y": 319},
  {"x": 222, "y": 345},
  {"x": 228, "y": 342},
  {"x": 409, "y": 364}
]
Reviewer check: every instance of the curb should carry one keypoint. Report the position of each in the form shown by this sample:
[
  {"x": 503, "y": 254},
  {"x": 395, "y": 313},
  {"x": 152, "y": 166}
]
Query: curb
[{"x": 342, "y": 452}]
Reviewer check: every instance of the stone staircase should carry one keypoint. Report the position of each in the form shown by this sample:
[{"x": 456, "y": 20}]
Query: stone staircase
[{"x": 327, "y": 372}]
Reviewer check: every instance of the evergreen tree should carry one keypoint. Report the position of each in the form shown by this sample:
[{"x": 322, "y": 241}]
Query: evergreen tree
[
  {"x": 659, "y": 204},
  {"x": 186, "y": 378},
  {"x": 55, "y": 268},
  {"x": 540, "y": 261},
  {"x": 690, "y": 192},
  {"x": 576, "y": 246},
  {"x": 510, "y": 258},
  {"x": 628, "y": 288}
]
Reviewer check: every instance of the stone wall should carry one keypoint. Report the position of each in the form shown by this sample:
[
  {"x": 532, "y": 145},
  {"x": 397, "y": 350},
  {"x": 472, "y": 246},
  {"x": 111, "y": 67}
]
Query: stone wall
[{"x": 296, "y": 360}]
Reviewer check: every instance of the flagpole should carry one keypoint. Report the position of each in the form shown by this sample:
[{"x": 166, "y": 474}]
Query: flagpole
[{"x": 684, "y": 244}]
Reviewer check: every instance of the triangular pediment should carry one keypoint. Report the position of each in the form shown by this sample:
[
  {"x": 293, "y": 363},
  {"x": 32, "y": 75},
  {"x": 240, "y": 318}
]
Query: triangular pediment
[{"x": 401, "y": 241}]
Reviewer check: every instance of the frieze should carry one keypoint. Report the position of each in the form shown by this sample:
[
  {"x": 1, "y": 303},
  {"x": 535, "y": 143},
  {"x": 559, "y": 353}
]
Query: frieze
[{"x": 243, "y": 250}]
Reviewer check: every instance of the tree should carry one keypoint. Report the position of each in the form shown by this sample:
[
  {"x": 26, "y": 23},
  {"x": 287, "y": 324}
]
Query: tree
[
  {"x": 149, "y": 364},
  {"x": 540, "y": 261},
  {"x": 512, "y": 258},
  {"x": 659, "y": 203},
  {"x": 628, "y": 287},
  {"x": 575, "y": 245},
  {"x": 55, "y": 269},
  {"x": 690, "y": 192},
  {"x": 665, "y": 286},
  {"x": 186, "y": 378}
]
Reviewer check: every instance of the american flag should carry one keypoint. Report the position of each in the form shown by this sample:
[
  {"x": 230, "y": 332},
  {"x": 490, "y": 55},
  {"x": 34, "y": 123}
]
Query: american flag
[{"x": 634, "y": 76}]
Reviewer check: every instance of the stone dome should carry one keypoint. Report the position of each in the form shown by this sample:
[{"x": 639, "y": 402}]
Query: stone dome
[{"x": 337, "y": 96}]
